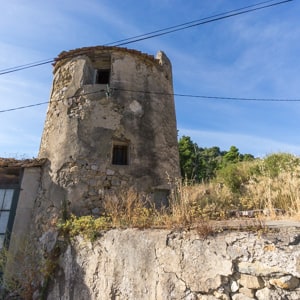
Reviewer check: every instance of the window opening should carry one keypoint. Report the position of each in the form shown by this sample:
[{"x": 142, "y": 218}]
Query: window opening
[
  {"x": 102, "y": 76},
  {"x": 120, "y": 155},
  {"x": 6, "y": 207}
]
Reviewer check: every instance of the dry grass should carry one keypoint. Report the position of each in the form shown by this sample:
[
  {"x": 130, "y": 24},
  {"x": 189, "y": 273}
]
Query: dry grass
[
  {"x": 273, "y": 195},
  {"x": 194, "y": 205},
  {"x": 261, "y": 190},
  {"x": 128, "y": 209},
  {"x": 22, "y": 270},
  {"x": 198, "y": 203}
]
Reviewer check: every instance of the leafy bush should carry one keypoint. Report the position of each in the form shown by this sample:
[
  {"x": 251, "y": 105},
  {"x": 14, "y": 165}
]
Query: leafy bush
[
  {"x": 234, "y": 176},
  {"x": 274, "y": 164},
  {"x": 88, "y": 226}
]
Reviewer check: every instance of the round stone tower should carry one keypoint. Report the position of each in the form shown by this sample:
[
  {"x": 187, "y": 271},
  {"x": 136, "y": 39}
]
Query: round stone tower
[{"x": 110, "y": 126}]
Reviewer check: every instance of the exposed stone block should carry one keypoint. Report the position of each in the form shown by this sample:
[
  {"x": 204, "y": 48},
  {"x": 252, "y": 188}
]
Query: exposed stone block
[
  {"x": 251, "y": 282},
  {"x": 240, "y": 296},
  {"x": 287, "y": 282},
  {"x": 247, "y": 292},
  {"x": 110, "y": 172},
  {"x": 234, "y": 286}
]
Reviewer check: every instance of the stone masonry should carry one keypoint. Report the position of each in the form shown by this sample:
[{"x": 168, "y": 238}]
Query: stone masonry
[
  {"x": 110, "y": 127},
  {"x": 160, "y": 265}
]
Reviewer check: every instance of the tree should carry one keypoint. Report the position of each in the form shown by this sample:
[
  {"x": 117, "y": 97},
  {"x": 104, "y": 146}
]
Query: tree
[
  {"x": 247, "y": 157},
  {"x": 211, "y": 159},
  {"x": 189, "y": 158},
  {"x": 201, "y": 164},
  {"x": 232, "y": 156},
  {"x": 275, "y": 163}
]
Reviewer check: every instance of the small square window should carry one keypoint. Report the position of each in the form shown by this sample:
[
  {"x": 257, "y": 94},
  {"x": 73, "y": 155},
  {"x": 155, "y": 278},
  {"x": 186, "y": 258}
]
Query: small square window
[
  {"x": 102, "y": 76},
  {"x": 120, "y": 155}
]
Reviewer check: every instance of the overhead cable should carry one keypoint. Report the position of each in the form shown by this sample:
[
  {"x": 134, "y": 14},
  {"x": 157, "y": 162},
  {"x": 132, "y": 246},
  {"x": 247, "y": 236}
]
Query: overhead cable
[
  {"x": 160, "y": 32},
  {"x": 212, "y": 97},
  {"x": 200, "y": 97},
  {"x": 203, "y": 21},
  {"x": 25, "y": 66},
  {"x": 181, "y": 26}
]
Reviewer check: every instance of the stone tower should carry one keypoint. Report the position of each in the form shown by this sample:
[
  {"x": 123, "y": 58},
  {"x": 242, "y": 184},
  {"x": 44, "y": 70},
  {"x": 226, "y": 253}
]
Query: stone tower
[{"x": 110, "y": 126}]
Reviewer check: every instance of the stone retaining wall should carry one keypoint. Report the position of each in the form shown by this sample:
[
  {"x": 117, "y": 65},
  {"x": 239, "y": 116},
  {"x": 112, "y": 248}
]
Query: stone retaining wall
[{"x": 159, "y": 264}]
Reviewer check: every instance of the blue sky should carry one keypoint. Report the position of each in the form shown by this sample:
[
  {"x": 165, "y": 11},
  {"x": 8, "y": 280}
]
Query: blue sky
[{"x": 255, "y": 55}]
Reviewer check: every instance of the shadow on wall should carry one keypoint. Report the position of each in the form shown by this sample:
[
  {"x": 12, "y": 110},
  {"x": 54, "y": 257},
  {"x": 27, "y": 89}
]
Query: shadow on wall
[{"x": 69, "y": 282}]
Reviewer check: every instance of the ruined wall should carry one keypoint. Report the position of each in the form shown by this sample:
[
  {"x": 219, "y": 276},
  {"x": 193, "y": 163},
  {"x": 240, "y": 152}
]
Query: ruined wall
[
  {"x": 159, "y": 264},
  {"x": 85, "y": 120},
  {"x": 22, "y": 178},
  {"x": 23, "y": 217}
]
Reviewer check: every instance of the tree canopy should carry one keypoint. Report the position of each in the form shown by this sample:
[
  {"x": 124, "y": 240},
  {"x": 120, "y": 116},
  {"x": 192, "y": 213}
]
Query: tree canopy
[{"x": 200, "y": 164}]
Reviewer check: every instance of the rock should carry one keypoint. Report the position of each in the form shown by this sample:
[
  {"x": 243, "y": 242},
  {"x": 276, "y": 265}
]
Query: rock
[
  {"x": 190, "y": 296},
  {"x": 94, "y": 167},
  {"x": 258, "y": 269},
  {"x": 251, "y": 282},
  {"x": 110, "y": 172},
  {"x": 74, "y": 169},
  {"x": 287, "y": 282},
  {"x": 48, "y": 240},
  {"x": 247, "y": 292},
  {"x": 234, "y": 286},
  {"x": 241, "y": 297},
  {"x": 96, "y": 211},
  {"x": 115, "y": 181},
  {"x": 207, "y": 297},
  {"x": 208, "y": 255},
  {"x": 263, "y": 294},
  {"x": 276, "y": 294},
  {"x": 93, "y": 182},
  {"x": 221, "y": 295}
]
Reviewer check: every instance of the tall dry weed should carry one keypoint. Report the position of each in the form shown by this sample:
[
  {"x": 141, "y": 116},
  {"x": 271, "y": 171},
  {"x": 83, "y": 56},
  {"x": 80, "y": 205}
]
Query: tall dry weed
[
  {"x": 128, "y": 208},
  {"x": 271, "y": 188}
]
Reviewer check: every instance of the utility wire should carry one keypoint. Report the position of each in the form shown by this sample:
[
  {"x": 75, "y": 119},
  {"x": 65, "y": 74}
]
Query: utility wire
[
  {"x": 200, "y": 97},
  {"x": 202, "y": 22},
  {"x": 48, "y": 102},
  {"x": 121, "y": 42},
  {"x": 26, "y": 66},
  {"x": 22, "y": 107},
  {"x": 161, "y": 32},
  {"x": 213, "y": 97}
]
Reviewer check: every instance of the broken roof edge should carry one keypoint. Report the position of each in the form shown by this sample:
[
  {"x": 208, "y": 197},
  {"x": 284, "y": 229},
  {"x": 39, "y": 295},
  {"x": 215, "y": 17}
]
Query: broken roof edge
[
  {"x": 89, "y": 50},
  {"x": 21, "y": 163}
]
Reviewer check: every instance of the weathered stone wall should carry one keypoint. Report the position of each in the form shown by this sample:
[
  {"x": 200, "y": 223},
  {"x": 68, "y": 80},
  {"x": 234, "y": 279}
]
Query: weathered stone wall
[
  {"x": 158, "y": 264},
  {"x": 23, "y": 217},
  {"x": 84, "y": 121}
]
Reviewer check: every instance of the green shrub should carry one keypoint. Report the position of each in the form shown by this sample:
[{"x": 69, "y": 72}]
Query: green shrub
[
  {"x": 233, "y": 176},
  {"x": 275, "y": 163},
  {"x": 88, "y": 226}
]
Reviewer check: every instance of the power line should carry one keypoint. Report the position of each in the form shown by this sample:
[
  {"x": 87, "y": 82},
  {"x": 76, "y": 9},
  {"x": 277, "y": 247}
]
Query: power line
[
  {"x": 25, "y": 66},
  {"x": 22, "y": 107},
  {"x": 213, "y": 97},
  {"x": 201, "y": 97},
  {"x": 179, "y": 27},
  {"x": 204, "y": 21},
  {"x": 42, "y": 103},
  {"x": 160, "y": 32}
]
